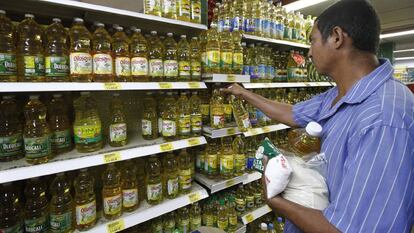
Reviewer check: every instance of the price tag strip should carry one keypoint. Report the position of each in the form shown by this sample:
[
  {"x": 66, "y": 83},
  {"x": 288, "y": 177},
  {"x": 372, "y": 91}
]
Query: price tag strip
[
  {"x": 112, "y": 86},
  {"x": 112, "y": 157},
  {"x": 115, "y": 226},
  {"x": 194, "y": 141},
  {"x": 166, "y": 147}
]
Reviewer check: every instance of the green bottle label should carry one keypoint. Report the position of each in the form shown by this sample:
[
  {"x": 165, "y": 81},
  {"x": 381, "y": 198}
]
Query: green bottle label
[
  {"x": 7, "y": 64},
  {"x": 18, "y": 228},
  {"x": 37, "y": 225},
  {"x": 60, "y": 222},
  {"x": 57, "y": 66},
  {"x": 87, "y": 134},
  {"x": 37, "y": 147},
  {"x": 61, "y": 139},
  {"x": 34, "y": 65},
  {"x": 11, "y": 146}
]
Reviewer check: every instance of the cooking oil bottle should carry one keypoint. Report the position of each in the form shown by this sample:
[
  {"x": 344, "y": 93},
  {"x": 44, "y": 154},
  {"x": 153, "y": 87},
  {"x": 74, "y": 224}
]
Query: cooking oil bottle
[
  {"x": 213, "y": 51},
  {"x": 87, "y": 126},
  {"x": 118, "y": 133},
  {"x": 254, "y": 67},
  {"x": 184, "y": 10},
  {"x": 152, "y": 7},
  {"x": 170, "y": 59},
  {"x": 154, "y": 183},
  {"x": 258, "y": 197},
  {"x": 279, "y": 22},
  {"x": 249, "y": 197},
  {"x": 203, "y": 51},
  {"x": 228, "y": 109},
  {"x": 222, "y": 218},
  {"x": 232, "y": 214},
  {"x": 112, "y": 192},
  {"x": 169, "y": 118},
  {"x": 184, "y": 116},
  {"x": 217, "y": 110},
  {"x": 184, "y": 61},
  {"x": 195, "y": 56},
  {"x": 183, "y": 220},
  {"x": 36, "y": 132},
  {"x": 61, "y": 139},
  {"x": 80, "y": 49},
  {"x": 11, "y": 129},
  {"x": 226, "y": 51},
  {"x": 237, "y": 65},
  {"x": 61, "y": 205},
  {"x": 196, "y": 11},
  {"x": 130, "y": 197},
  {"x": 85, "y": 201},
  {"x": 56, "y": 53},
  {"x": 168, "y": 222},
  {"x": 240, "y": 114},
  {"x": 305, "y": 141},
  {"x": 36, "y": 211},
  {"x": 103, "y": 70},
  {"x": 292, "y": 68},
  {"x": 120, "y": 49},
  {"x": 240, "y": 200},
  {"x": 8, "y": 72},
  {"x": 226, "y": 158},
  {"x": 205, "y": 107},
  {"x": 239, "y": 156},
  {"x": 11, "y": 219},
  {"x": 149, "y": 122},
  {"x": 195, "y": 216},
  {"x": 169, "y": 9},
  {"x": 185, "y": 179},
  {"x": 171, "y": 173},
  {"x": 155, "y": 56},
  {"x": 211, "y": 159},
  {"x": 139, "y": 57},
  {"x": 195, "y": 117},
  {"x": 30, "y": 53}
]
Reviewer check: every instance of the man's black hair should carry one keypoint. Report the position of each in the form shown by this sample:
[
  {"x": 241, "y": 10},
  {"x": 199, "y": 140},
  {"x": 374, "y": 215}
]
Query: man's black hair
[{"x": 357, "y": 18}]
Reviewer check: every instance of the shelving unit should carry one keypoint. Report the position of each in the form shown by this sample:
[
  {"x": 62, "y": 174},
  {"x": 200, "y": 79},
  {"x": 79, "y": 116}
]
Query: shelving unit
[
  {"x": 241, "y": 229},
  {"x": 218, "y": 185},
  {"x": 265, "y": 129},
  {"x": 229, "y": 130},
  {"x": 250, "y": 177},
  {"x": 279, "y": 43},
  {"x": 226, "y": 78},
  {"x": 255, "y": 214},
  {"x": 287, "y": 85}
]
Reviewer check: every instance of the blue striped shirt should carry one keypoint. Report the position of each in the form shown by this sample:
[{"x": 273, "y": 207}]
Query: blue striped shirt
[{"x": 368, "y": 140}]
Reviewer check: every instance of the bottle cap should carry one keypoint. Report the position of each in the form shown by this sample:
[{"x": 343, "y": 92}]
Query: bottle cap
[
  {"x": 154, "y": 33},
  {"x": 57, "y": 95},
  {"x": 314, "y": 129},
  {"x": 56, "y": 20},
  {"x": 119, "y": 28},
  {"x": 137, "y": 30},
  {"x": 279, "y": 219},
  {"x": 78, "y": 20},
  {"x": 170, "y": 34},
  {"x": 99, "y": 24},
  {"x": 132, "y": 28},
  {"x": 28, "y": 16},
  {"x": 183, "y": 36},
  {"x": 263, "y": 226},
  {"x": 34, "y": 97},
  {"x": 2, "y": 12},
  {"x": 271, "y": 226},
  {"x": 194, "y": 38}
]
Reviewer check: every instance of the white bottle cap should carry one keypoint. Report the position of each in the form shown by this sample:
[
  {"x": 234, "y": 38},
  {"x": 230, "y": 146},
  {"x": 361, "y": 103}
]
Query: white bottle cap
[
  {"x": 183, "y": 36},
  {"x": 2, "y": 12},
  {"x": 263, "y": 226},
  {"x": 119, "y": 28},
  {"x": 56, "y": 20},
  {"x": 78, "y": 20},
  {"x": 57, "y": 95},
  {"x": 170, "y": 34},
  {"x": 99, "y": 24},
  {"x": 195, "y": 38},
  {"x": 132, "y": 28},
  {"x": 137, "y": 30},
  {"x": 154, "y": 33},
  {"x": 29, "y": 16},
  {"x": 314, "y": 129},
  {"x": 34, "y": 97}
]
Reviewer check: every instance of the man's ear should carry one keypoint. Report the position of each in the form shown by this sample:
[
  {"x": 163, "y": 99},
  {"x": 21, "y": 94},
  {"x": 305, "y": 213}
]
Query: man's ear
[{"x": 337, "y": 37}]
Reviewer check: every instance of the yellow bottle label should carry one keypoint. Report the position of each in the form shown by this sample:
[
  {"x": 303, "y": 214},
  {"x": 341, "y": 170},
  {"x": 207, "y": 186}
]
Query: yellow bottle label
[
  {"x": 185, "y": 179},
  {"x": 195, "y": 68},
  {"x": 184, "y": 124},
  {"x": 34, "y": 65},
  {"x": 139, "y": 66},
  {"x": 169, "y": 128},
  {"x": 102, "y": 64},
  {"x": 88, "y": 133},
  {"x": 223, "y": 224},
  {"x": 228, "y": 110},
  {"x": 226, "y": 58},
  {"x": 238, "y": 58},
  {"x": 211, "y": 164},
  {"x": 205, "y": 109},
  {"x": 129, "y": 197},
  {"x": 80, "y": 63},
  {"x": 122, "y": 66},
  {"x": 239, "y": 162},
  {"x": 184, "y": 68},
  {"x": 86, "y": 214},
  {"x": 233, "y": 220},
  {"x": 113, "y": 205},
  {"x": 213, "y": 58},
  {"x": 196, "y": 123},
  {"x": 184, "y": 10},
  {"x": 226, "y": 164}
]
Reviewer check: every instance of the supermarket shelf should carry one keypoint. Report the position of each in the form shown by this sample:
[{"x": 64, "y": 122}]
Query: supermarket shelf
[
  {"x": 218, "y": 185},
  {"x": 226, "y": 78},
  {"x": 68, "y": 86},
  {"x": 287, "y": 85},
  {"x": 241, "y": 229},
  {"x": 255, "y": 214},
  {"x": 282, "y": 43},
  {"x": 219, "y": 133},
  {"x": 266, "y": 129},
  {"x": 147, "y": 212},
  {"x": 250, "y": 177},
  {"x": 67, "y": 9},
  {"x": 138, "y": 147},
  {"x": 409, "y": 83}
]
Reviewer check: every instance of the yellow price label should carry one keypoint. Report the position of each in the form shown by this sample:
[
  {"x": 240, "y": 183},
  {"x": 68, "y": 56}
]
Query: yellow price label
[
  {"x": 266, "y": 129},
  {"x": 194, "y": 85},
  {"x": 249, "y": 218},
  {"x": 230, "y": 183},
  {"x": 194, "y": 197},
  {"x": 266, "y": 84},
  {"x": 193, "y": 141},
  {"x": 254, "y": 131},
  {"x": 231, "y": 78},
  {"x": 112, "y": 157},
  {"x": 165, "y": 85},
  {"x": 112, "y": 86},
  {"x": 166, "y": 147},
  {"x": 116, "y": 226},
  {"x": 231, "y": 131}
]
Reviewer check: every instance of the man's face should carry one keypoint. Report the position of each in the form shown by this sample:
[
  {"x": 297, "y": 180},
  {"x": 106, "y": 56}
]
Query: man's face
[{"x": 320, "y": 52}]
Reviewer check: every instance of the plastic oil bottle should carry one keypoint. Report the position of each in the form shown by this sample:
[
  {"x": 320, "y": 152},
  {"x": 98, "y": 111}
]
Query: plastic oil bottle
[
  {"x": 254, "y": 67},
  {"x": 203, "y": 51},
  {"x": 149, "y": 122},
  {"x": 130, "y": 197},
  {"x": 205, "y": 107},
  {"x": 169, "y": 222},
  {"x": 170, "y": 59},
  {"x": 56, "y": 53},
  {"x": 85, "y": 201},
  {"x": 238, "y": 17},
  {"x": 232, "y": 214},
  {"x": 11, "y": 219},
  {"x": 239, "y": 156},
  {"x": 112, "y": 192},
  {"x": 118, "y": 133},
  {"x": 213, "y": 51},
  {"x": 61, "y": 205},
  {"x": 195, "y": 117},
  {"x": 171, "y": 173},
  {"x": 103, "y": 70},
  {"x": 30, "y": 53},
  {"x": 8, "y": 66},
  {"x": 217, "y": 110},
  {"x": 249, "y": 197},
  {"x": 169, "y": 118},
  {"x": 152, "y": 7},
  {"x": 228, "y": 110},
  {"x": 226, "y": 158},
  {"x": 155, "y": 56},
  {"x": 292, "y": 68},
  {"x": 139, "y": 57},
  {"x": 154, "y": 183},
  {"x": 237, "y": 65},
  {"x": 211, "y": 159},
  {"x": 222, "y": 217},
  {"x": 196, "y": 11},
  {"x": 195, "y": 216},
  {"x": 184, "y": 10},
  {"x": 240, "y": 114},
  {"x": 169, "y": 9},
  {"x": 120, "y": 49},
  {"x": 305, "y": 141},
  {"x": 87, "y": 126},
  {"x": 184, "y": 116},
  {"x": 226, "y": 51},
  {"x": 240, "y": 200},
  {"x": 195, "y": 56},
  {"x": 185, "y": 179},
  {"x": 61, "y": 139},
  {"x": 183, "y": 220},
  {"x": 279, "y": 22},
  {"x": 36, "y": 132},
  {"x": 36, "y": 208},
  {"x": 184, "y": 61},
  {"x": 258, "y": 197},
  {"x": 80, "y": 49},
  {"x": 11, "y": 131}
]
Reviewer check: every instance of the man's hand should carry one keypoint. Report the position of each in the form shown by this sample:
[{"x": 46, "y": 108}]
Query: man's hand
[{"x": 234, "y": 89}]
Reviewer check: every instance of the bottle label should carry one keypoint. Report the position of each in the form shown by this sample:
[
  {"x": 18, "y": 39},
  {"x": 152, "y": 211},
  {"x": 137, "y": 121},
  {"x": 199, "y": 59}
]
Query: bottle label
[
  {"x": 18, "y": 228},
  {"x": 220, "y": 25},
  {"x": 87, "y": 134},
  {"x": 102, "y": 64},
  {"x": 246, "y": 122},
  {"x": 159, "y": 125},
  {"x": 146, "y": 127},
  {"x": 122, "y": 66},
  {"x": 80, "y": 63},
  {"x": 272, "y": 30},
  {"x": 37, "y": 225},
  {"x": 195, "y": 223},
  {"x": 238, "y": 59},
  {"x": 294, "y": 74},
  {"x": 248, "y": 25},
  {"x": 213, "y": 58},
  {"x": 61, "y": 222},
  {"x": 240, "y": 205},
  {"x": 265, "y": 27},
  {"x": 34, "y": 65},
  {"x": 195, "y": 68},
  {"x": 139, "y": 66},
  {"x": 57, "y": 66},
  {"x": 279, "y": 30},
  {"x": 8, "y": 64},
  {"x": 172, "y": 186},
  {"x": 37, "y": 147},
  {"x": 118, "y": 132},
  {"x": 250, "y": 201},
  {"x": 204, "y": 59},
  {"x": 169, "y": 7},
  {"x": 171, "y": 68},
  {"x": 86, "y": 214},
  {"x": 226, "y": 164},
  {"x": 254, "y": 72},
  {"x": 169, "y": 128},
  {"x": 183, "y": 224},
  {"x": 226, "y": 58},
  {"x": 223, "y": 224},
  {"x": 295, "y": 34},
  {"x": 205, "y": 109},
  {"x": 196, "y": 123},
  {"x": 257, "y": 25},
  {"x": 228, "y": 110},
  {"x": 12, "y": 145},
  {"x": 154, "y": 192},
  {"x": 184, "y": 125},
  {"x": 239, "y": 162},
  {"x": 246, "y": 69},
  {"x": 184, "y": 10},
  {"x": 235, "y": 23},
  {"x": 129, "y": 197},
  {"x": 250, "y": 163},
  {"x": 258, "y": 199},
  {"x": 112, "y": 205},
  {"x": 156, "y": 68},
  {"x": 262, "y": 71},
  {"x": 287, "y": 33},
  {"x": 184, "y": 68},
  {"x": 253, "y": 117},
  {"x": 218, "y": 121},
  {"x": 211, "y": 165},
  {"x": 196, "y": 11},
  {"x": 270, "y": 71},
  {"x": 185, "y": 179},
  {"x": 61, "y": 139}
]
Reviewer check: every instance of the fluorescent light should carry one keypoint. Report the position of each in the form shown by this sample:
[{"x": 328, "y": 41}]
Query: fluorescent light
[
  {"x": 300, "y": 4},
  {"x": 396, "y": 34},
  {"x": 403, "y": 58},
  {"x": 404, "y": 50}
]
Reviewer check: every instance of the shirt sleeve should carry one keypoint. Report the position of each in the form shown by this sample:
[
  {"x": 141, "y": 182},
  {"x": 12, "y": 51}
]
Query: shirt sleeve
[
  {"x": 377, "y": 192},
  {"x": 307, "y": 111}
]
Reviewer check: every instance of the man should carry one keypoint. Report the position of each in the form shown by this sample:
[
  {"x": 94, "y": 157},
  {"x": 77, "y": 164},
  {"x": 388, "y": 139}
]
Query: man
[{"x": 368, "y": 129}]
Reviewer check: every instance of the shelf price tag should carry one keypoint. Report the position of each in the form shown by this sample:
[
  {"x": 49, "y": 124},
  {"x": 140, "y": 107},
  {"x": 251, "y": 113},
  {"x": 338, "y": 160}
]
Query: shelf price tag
[
  {"x": 307, "y": 84},
  {"x": 230, "y": 183},
  {"x": 254, "y": 131},
  {"x": 112, "y": 86},
  {"x": 266, "y": 129},
  {"x": 166, "y": 147},
  {"x": 249, "y": 218},
  {"x": 194, "y": 197},
  {"x": 115, "y": 226},
  {"x": 231, "y": 131},
  {"x": 112, "y": 157},
  {"x": 165, "y": 85},
  {"x": 194, "y": 141},
  {"x": 194, "y": 85},
  {"x": 231, "y": 78}
]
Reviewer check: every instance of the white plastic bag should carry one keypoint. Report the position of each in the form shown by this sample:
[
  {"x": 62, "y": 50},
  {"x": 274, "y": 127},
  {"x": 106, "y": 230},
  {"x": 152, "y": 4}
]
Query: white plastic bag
[{"x": 277, "y": 173}]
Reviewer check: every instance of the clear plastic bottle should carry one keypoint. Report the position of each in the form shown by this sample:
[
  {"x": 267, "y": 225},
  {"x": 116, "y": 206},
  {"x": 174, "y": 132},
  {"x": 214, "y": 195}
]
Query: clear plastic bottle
[
  {"x": 263, "y": 228},
  {"x": 36, "y": 210},
  {"x": 184, "y": 116},
  {"x": 226, "y": 158},
  {"x": 11, "y": 131},
  {"x": 61, "y": 205},
  {"x": 8, "y": 66},
  {"x": 152, "y": 7},
  {"x": 195, "y": 57},
  {"x": 154, "y": 183},
  {"x": 155, "y": 56},
  {"x": 139, "y": 57},
  {"x": 169, "y": 118},
  {"x": 130, "y": 197},
  {"x": 239, "y": 156},
  {"x": 36, "y": 132},
  {"x": 240, "y": 200},
  {"x": 170, "y": 59},
  {"x": 228, "y": 109},
  {"x": 112, "y": 192},
  {"x": 183, "y": 220},
  {"x": 185, "y": 180},
  {"x": 30, "y": 53},
  {"x": 217, "y": 118},
  {"x": 232, "y": 214},
  {"x": 184, "y": 10},
  {"x": 226, "y": 51},
  {"x": 240, "y": 114},
  {"x": 254, "y": 68},
  {"x": 196, "y": 11},
  {"x": 195, "y": 216},
  {"x": 306, "y": 141},
  {"x": 80, "y": 52},
  {"x": 120, "y": 49},
  {"x": 211, "y": 160},
  {"x": 184, "y": 60},
  {"x": 222, "y": 217},
  {"x": 237, "y": 65},
  {"x": 279, "y": 22},
  {"x": 118, "y": 130},
  {"x": 85, "y": 201},
  {"x": 169, "y": 9},
  {"x": 249, "y": 197},
  {"x": 213, "y": 51},
  {"x": 149, "y": 122},
  {"x": 171, "y": 174},
  {"x": 59, "y": 123},
  {"x": 203, "y": 51},
  {"x": 11, "y": 218},
  {"x": 169, "y": 222},
  {"x": 195, "y": 117},
  {"x": 103, "y": 64},
  {"x": 56, "y": 53}
]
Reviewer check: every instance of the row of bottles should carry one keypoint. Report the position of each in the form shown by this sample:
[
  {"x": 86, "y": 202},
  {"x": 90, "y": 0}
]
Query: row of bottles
[
  {"x": 186, "y": 10},
  {"x": 269, "y": 223}
]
